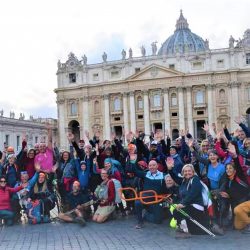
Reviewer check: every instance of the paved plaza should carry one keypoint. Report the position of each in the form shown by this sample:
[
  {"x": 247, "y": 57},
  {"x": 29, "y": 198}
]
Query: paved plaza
[{"x": 115, "y": 234}]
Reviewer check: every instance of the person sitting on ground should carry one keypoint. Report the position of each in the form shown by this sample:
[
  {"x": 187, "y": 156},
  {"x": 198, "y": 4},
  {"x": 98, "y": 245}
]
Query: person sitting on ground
[
  {"x": 237, "y": 191},
  {"x": 43, "y": 191},
  {"x": 78, "y": 204},
  {"x": 6, "y": 212},
  {"x": 106, "y": 194},
  {"x": 191, "y": 202}
]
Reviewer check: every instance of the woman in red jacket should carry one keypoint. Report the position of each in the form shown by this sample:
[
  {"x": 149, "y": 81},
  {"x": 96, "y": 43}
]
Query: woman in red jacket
[{"x": 5, "y": 196}]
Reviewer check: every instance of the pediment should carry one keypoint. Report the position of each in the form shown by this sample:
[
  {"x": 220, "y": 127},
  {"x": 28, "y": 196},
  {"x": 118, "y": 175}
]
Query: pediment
[{"x": 155, "y": 71}]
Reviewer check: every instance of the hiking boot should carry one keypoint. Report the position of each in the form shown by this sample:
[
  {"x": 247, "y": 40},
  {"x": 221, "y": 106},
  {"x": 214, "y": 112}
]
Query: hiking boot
[
  {"x": 80, "y": 221},
  {"x": 217, "y": 230},
  {"x": 182, "y": 235},
  {"x": 246, "y": 230}
]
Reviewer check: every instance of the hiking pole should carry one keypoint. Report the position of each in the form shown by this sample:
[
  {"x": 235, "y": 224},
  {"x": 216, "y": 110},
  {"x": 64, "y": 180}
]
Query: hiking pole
[{"x": 194, "y": 221}]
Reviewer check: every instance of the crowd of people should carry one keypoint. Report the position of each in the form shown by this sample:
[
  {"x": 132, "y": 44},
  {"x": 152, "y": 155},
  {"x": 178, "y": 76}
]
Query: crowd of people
[{"x": 208, "y": 180}]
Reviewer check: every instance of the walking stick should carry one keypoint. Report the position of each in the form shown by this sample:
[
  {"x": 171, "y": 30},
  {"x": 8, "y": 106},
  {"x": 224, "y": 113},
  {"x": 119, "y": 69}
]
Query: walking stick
[
  {"x": 194, "y": 221},
  {"x": 158, "y": 199}
]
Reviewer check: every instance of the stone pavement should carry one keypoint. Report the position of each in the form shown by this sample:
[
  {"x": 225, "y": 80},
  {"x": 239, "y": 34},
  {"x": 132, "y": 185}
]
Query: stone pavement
[{"x": 116, "y": 234}]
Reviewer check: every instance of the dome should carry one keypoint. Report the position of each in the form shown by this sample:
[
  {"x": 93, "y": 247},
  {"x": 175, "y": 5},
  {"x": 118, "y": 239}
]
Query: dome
[{"x": 183, "y": 40}]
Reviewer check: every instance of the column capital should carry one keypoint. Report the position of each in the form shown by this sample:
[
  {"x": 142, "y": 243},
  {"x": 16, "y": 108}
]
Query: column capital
[
  {"x": 131, "y": 93},
  {"x": 179, "y": 88},
  {"x": 165, "y": 90},
  {"x": 106, "y": 96},
  {"x": 234, "y": 84},
  {"x": 189, "y": 88},
  {"x": 85, "y": 98},
  {"x": 210, "y": 86},
  {"x": 145, "y": 92},
  {"x": 60, "y": 101},
  {"x": 125, "y": 94}
]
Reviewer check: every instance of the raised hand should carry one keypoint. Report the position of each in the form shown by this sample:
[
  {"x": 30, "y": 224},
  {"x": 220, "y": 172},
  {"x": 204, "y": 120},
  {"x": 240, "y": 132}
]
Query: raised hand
[
  {"x": 238, "y": 120},
  {"x": 170, "y": 163},
  {"x": 167, "y": 133},
  {"x": 206, "y": 128},
  {"x": 231, "y": 149},
  {"x": 190, "y": 143},
  {"x": 219, "y": 135},
  {"x": 182, "y": 133},
  {"x": 70, "y": 136}
]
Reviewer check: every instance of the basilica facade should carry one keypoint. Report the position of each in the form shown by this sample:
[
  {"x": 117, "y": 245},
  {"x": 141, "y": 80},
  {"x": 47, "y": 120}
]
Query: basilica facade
[{"x": 182, "y": 85}]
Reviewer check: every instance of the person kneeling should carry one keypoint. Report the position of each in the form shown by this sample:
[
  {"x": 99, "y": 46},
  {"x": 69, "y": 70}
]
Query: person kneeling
[
  {"x": 78, "y": 205},
  {"x": 106, "y": 194}
]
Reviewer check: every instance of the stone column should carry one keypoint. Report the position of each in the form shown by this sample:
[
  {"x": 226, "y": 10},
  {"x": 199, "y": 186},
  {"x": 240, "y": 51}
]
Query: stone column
[
  {"x": 85, "y": 113},
  {"x": 166, "y": 110},
  {"x": 107, "y": 129},
  {"x": 61, "y": 124},
  {"x": 125, "y": 113},
  {"x": 146, "y": 113},
  {"x": 190, "y": 111},
  {"x": 132, "y": 111},
  {"x": 210, "y": 103},
  {"x": 181, "y": 108},
  {"x": 234, "y": 107}
]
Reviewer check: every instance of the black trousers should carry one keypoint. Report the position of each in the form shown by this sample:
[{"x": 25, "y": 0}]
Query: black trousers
[{"x": 200, "y": 216}]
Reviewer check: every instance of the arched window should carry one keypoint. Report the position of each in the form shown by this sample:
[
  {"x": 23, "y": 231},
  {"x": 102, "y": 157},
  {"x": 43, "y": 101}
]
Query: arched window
[
  {"x": 222, "y": 95},
  {"x": 117, "y": 104},
  {"x": 73, "y": 108},
  {"x": 173, "y": 99},
  {"x": 157, "y": 100},
  {"x": 97, "y": 107},
  {"x": 199, "y": 97},
  {"x": 139, "y": 103}
]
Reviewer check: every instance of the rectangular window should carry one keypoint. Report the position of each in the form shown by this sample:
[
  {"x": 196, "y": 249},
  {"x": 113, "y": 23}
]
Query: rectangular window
[
  {"x": 72, "y": 77},
  {"x": 174, "y": 114},
  {"x": 36, "y": 139},
  {"x": 197, "y": 65},
  {"x": 171, "y": 66},
  {"x": 117, "y": 119},
  {"x": 73, "y": 108},
  {"x": 200, "y": 112},
  {"x": 248, "y": 58},
  {"x": 220, "y": 63},
  {"x": 95, "y": 76},
  {"x": 7, "y": 137},
  {"x": 17, "y": 142},
  {"x": 137, "y": 70},
  {"x": 115, "y": 74},
  {"x": 140, "y": 117}
]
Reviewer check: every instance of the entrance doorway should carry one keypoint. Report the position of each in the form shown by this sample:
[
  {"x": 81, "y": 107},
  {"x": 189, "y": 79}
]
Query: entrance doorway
[
  {"x": 175, "y": 133},
  {"x": 248, "y": 116},
  {"x": 201, "y": 134},
  {"x": 157, "y": 126},
  {"x": 118, "y": 131},
  {"x": 74, "y": 127}
]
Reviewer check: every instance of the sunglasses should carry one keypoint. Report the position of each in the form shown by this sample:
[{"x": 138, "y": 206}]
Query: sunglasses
[{"x": 2, "y": 181}]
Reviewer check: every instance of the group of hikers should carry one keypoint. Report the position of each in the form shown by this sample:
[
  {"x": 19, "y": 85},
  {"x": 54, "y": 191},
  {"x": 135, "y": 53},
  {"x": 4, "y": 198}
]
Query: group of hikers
[{"x": 204, "y": 181}]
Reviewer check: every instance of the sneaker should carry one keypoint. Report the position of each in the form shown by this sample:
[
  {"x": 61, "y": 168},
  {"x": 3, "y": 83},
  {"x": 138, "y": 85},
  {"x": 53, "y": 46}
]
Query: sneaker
[
  {"x": 246, "y": 230},
  {"x": 80, "y": 221},
  {"x": 139, "y": 226},
  {"x": 217, "y": 230},
  {"x": 182, "y": 235}
]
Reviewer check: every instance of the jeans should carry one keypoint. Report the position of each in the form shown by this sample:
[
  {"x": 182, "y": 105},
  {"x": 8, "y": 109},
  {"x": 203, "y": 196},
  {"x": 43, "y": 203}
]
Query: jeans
[
  {"x": 8, "y": 216},
  {"x": 154, "y": 213}
]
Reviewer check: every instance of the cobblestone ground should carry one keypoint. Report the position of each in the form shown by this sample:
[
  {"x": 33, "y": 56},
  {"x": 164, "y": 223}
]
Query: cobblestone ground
[{"x": 116, "y": 234}]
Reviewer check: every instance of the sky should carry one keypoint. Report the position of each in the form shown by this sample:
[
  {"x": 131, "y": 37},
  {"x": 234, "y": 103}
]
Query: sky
[{"x": 35, "y": 34}]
